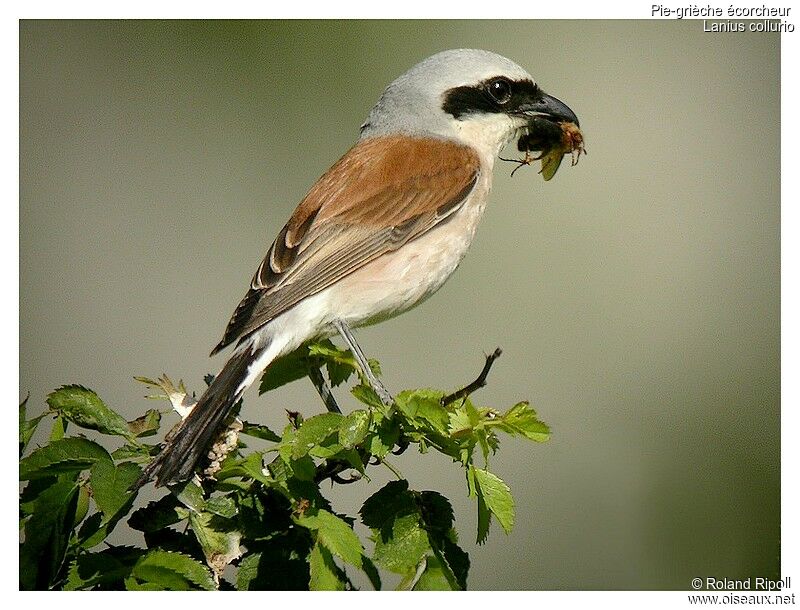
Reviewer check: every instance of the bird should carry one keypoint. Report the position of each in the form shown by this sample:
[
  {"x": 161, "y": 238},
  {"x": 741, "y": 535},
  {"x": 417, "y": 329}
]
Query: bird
[{"x": 378, "y": 233}]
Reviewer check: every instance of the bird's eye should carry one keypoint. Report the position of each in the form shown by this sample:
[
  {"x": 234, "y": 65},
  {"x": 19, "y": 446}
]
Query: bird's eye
[{"x": 500, "y": 90}]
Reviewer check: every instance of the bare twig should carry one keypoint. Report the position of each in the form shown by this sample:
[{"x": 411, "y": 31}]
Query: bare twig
[{"x": 477, "y": 384}]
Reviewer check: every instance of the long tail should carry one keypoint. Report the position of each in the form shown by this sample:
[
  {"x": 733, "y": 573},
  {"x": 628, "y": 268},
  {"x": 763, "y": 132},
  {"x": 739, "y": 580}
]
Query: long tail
[{"x": 183, "y": 449}]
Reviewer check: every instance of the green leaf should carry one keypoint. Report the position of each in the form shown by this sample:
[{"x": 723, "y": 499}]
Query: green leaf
[
  {"x": 452, "y": 557},
  {"x": 434, "y": 577},
  {"x": 385, "y": 438},
  {"x": 314, "y": 432},
  {"x": 138, "y": 453},
  {"x": 497, "y": 497},
  {"x": 336, "y": 534},
  {"x": 371, "y": 571},
  {"x": 84, "y": 408},
  {"x": 484, "y": 519},
  {"x": 484, "y": 515},
  {"x": 437, "y": 512},
  {"x": 274, "y": 568},
  {"x": 156, "y": 515},
  {"x": 395, "y": 518},
  {"x": 47, "y": 535},
  {"x": 459, "y": 423},
  {"x": 368, "y": 396},
  {"x": 146, "y": 425},
  {"x": 110, "y": 484},
  {"x": 27, "y": 427},
  {"x": 59, "y": 429},
  {"x": 284, "y": 370},
  {"x": 354, "y": 428},
  {"x": 190, "y": 495},
  {"x": 218, "y": 537},
  {"x": 324, "y": 574},
  {"x": 424, "y": 405},
  {"x": 405, "y": 546},
  {"x": 303, "y": 468},
  {"x": 253, "y": 467},
  {"x": 521, "y": 419},
  {"x": 106, "y": 569},
  {"x": 82, "y": 507},
  {"x": 61, "y": 456},
  {"x": 224, "y": 506},
  {"x": 259, "y": 431},
  {"x": 163, "y": 570}
]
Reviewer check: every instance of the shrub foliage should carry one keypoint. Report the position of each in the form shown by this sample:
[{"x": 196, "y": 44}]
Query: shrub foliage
[{"x": 261, "y": 521}]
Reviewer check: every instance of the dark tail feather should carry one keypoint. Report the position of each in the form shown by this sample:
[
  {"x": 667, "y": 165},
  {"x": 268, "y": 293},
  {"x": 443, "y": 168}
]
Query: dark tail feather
[{"x": 184, "y": 448}]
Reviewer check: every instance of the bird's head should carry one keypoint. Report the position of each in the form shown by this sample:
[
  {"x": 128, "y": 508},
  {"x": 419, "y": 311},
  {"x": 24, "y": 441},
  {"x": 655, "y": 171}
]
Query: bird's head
[{"x": 476, "y": 97}]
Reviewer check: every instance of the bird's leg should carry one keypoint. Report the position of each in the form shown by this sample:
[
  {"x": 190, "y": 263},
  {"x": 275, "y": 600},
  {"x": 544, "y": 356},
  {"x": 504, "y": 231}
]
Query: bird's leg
[
  {"x": 315, "y": 375},
  {"x": 347, "y": 335}
]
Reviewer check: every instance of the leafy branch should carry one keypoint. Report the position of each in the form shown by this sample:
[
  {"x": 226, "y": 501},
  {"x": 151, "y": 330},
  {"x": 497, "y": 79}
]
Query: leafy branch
[{"x": 259, "y": 519}]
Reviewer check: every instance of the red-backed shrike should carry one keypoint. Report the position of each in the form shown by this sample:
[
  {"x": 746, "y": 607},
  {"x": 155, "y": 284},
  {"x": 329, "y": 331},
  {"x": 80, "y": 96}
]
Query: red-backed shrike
[{"x": 379, "y": 232}]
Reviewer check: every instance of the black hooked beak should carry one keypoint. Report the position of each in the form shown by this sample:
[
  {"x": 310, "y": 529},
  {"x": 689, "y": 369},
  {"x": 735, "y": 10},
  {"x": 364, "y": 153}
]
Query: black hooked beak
[{"x": 548, "y": 107}]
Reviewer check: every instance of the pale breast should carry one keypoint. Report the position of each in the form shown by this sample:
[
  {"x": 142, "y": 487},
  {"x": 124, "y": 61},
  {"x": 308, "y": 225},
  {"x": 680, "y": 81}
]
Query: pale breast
[{"x": 397, "y": 281}]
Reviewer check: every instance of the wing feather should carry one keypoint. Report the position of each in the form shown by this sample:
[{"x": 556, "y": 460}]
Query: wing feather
[{"x": 383, "y": 193}]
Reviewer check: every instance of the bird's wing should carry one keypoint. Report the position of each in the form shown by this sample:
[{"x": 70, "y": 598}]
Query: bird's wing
[{"x": 383, "y": 193}]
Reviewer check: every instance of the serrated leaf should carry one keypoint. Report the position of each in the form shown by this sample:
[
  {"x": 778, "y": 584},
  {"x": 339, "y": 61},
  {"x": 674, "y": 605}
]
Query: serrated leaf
[
  {"x": 497, "y": 496},
  {"x": 82, "y": 507},
  {"x": 384, "y": 438},
  {"x": 139, "y": 453},
  {"x": 259, "y": 431},
  {"x": 190, "y": 495},
  {"x": 521, "y": 419},
  {"x": 273, "y": 568},
  {"x": 459, "y": 423},
  {"x": 110, "y": 484},
  {"x": 424, "y": 405},
  {"x": 59, "y": 429},
  {"x": 433, "y": 578},
  {"x": 218, "y": 537},
  {"x": 354, "y": 428},
  {"x": 303, "y": 468},
  {"x": 437, "y": 512},
  {"x": 156, "y": 515},
  {"x": 314, "y": 432},
  {"x": 248, "y": 571},
  {"x": 336, "y": 534},
  {"x": 366, "y": 395},
  {"x": 164, "y": 570},
  {"x": 253, "y": 467},
  {"x": 455, "y": 559},
  {"x": 324, "y": 574},
  {"x": 405, "y": 546},
  {"x": 284, "y": 370},
  {"x": 84, "y": 408},
  {"x": 484, "y": 519},
  {"x": 371, "y": 571},
  {"x": 109, "y": 567},
  {"x": 338, "y": 372},
  {"x": 146, "y": 425},
  {"x": 27, "y": 427},
  {"x": 61, "y": 456},
  {"x": 224, "y": 506},
  {"x": 91, "y": 531},
  {"x": 47, "y": 535},
  {"x": 396, "y": 520}
]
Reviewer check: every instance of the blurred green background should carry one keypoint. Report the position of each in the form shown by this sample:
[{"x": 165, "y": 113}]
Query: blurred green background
[{"x": 636, "y": 296}]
